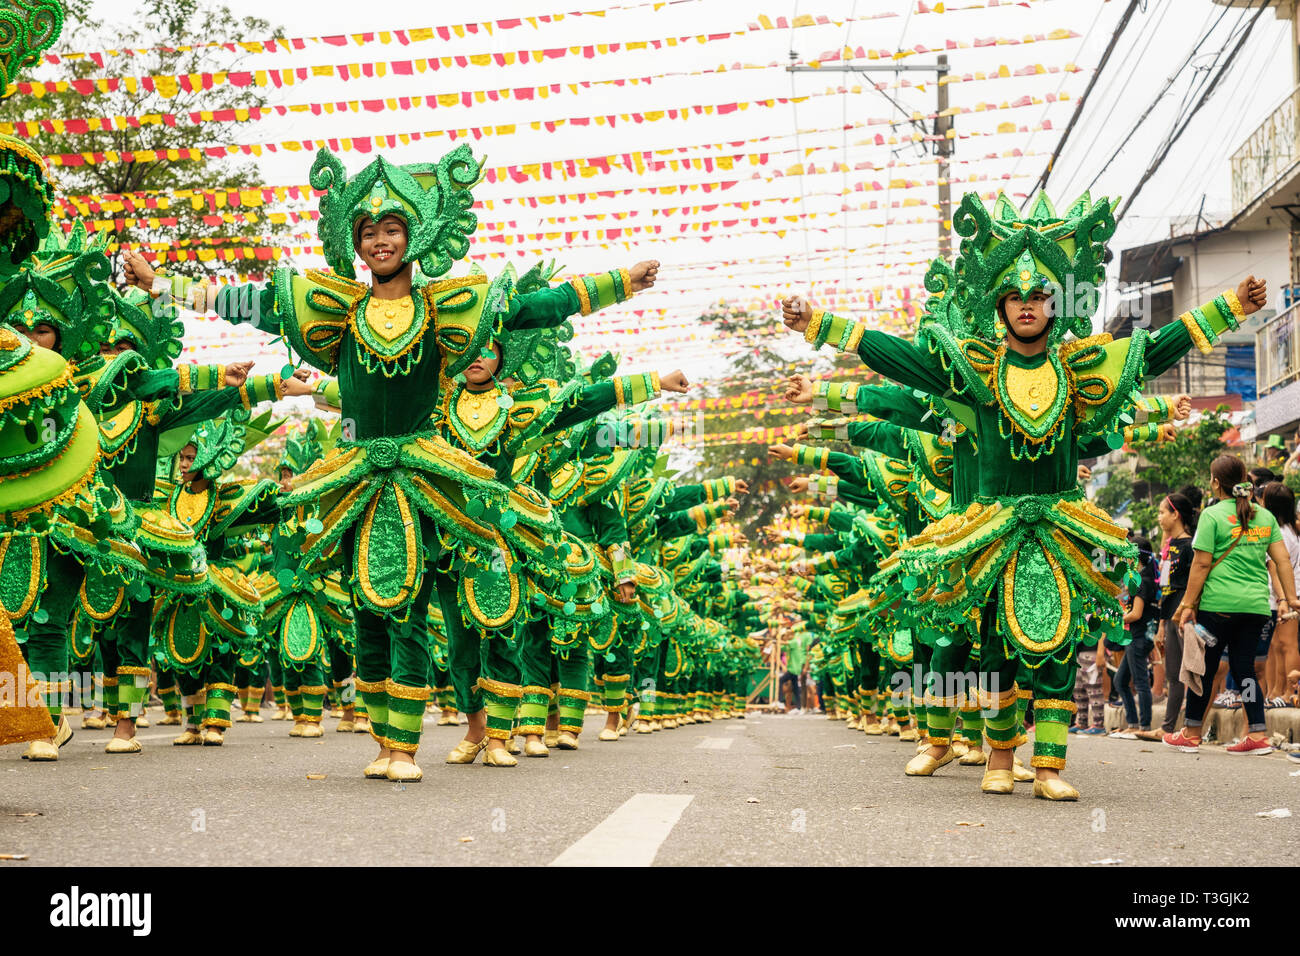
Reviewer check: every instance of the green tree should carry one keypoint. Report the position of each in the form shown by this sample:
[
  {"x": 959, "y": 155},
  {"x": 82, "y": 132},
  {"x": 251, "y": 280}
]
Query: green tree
[
  {"x": 1183, "y": 461},
  {"x": 757, "y": 362},
  {"x": 155, "y": 24},
  {"x": 1117, "y": 491}
]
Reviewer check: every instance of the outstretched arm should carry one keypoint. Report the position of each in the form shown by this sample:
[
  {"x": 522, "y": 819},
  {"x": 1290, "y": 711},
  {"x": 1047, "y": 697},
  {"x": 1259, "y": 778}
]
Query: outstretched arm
[{"x": 891, "y": 356}]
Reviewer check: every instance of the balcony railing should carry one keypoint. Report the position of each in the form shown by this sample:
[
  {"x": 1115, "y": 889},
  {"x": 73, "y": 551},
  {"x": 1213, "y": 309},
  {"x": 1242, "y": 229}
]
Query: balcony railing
[
  {"x": 1277, "y": 351},
  {"x": 1267, "y": 153}
]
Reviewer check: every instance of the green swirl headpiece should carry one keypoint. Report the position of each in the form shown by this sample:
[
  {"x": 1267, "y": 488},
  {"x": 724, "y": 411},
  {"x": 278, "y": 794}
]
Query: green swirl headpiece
[{"x": 433, "y": 199}]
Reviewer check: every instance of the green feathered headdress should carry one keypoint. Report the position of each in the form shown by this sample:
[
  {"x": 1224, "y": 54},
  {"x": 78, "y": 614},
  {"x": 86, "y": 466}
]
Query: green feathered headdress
[
  {"x": 150, "y": 326},
  {"x": 65, "y": 283},
  {"x": 433, "y": 199},
  {"x": 1007, "y": 251},
  {"x": 301, "y": 452},
  {"x": 218, "y": 444},
  {"x": 530, "y": 355},
  {"x": 27, "y": 29}
]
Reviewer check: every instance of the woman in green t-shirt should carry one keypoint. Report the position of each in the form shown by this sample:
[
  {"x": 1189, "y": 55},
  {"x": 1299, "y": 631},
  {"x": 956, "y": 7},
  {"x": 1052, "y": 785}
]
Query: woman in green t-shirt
[{"x": 1227, "y": 595}]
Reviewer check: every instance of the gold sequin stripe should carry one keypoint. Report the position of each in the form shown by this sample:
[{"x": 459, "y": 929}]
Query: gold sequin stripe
[
  {"x": 813, "y": 331},
  {"x": 1048, "y": 763},
  {"x": 1001, "y": 702},
  {"x": 49, "y": 687},
  {"x": 513, "y": 691},
  {"x": 1056, "y": 710},
  {"x": 579, "y": 286},
  {"x": 124, "y": 670},
  {"x": 1012, "y": 744},
  {"x": 1234, "y": 306},
  {"x": 369, "y": 687},
  {"x": 393, "y": 689},
  {"x": 533, "y": 689},
  {"x": 1198, "y": 334},
  {"x": 400, "y": 745}
]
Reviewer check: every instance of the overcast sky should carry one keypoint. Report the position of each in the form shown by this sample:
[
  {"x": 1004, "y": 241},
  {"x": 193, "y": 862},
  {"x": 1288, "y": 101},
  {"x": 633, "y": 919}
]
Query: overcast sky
[{"x": 890, "y": 249}]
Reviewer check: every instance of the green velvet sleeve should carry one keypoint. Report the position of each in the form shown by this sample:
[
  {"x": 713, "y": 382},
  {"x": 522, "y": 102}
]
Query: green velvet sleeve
[
  {"x": 884, "y": 437},
  {"x": 822, "y": 542},
  {"x": 683, "y": 496},
  {"x": 201, "y": 407},
  {"x": 1200, "y": 327}
]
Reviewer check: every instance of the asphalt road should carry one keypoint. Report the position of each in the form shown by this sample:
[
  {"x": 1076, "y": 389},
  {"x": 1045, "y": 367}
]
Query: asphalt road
[{"x": 768, "y": 790}]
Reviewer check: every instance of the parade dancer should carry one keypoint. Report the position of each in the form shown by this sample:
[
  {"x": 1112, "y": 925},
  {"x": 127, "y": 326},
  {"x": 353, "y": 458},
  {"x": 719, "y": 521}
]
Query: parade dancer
[{"x": 1020, "y": 555}]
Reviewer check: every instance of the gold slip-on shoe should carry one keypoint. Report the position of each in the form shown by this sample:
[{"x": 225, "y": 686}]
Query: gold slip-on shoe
[
  {"x": 498, "y": 758},
  {"x": 607, "y": 734},
  {"x": 1054, "y": 788},
  {"x": 997, "y": 781},
  {"x": 974, "y": 757},
  {"x": 190, "y": 738},
  {"x": 119, "y": 746},
  {"x": 404, "y": 772},
  {"x": 923, "y": 765},
  {"x": 567, "y": 741},
  {"x": 466, "y": 752},
  {"x": 39, "y": 750},
  {"x": 377, "y": 769},
  {"x": 535, "y": 748}
]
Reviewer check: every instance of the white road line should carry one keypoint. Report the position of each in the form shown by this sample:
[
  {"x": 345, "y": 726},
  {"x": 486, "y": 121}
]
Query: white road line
[
  {"x": 631, "y": 835},
  {"x": 715, "y": 743}
]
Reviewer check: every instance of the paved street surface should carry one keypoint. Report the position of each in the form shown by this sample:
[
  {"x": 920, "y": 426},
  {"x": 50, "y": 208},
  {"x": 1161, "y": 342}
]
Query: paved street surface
[{"x": 768, "y": 790}]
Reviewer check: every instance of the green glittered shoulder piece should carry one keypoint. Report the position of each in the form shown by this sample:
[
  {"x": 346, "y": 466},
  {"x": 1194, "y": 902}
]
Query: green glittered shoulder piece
[
  {"x": 64, "y": 284},
  {"x": 880, "y": 531},
  {"x": 242, "y": 505},
  {"x": 534, "y": 407},
  {"x": 434, "y": 200},
  {"x": 889, "y": 478},
  {"x": 604, "y": 475},
  {"x": 930, "y": 456},
  {"x": 312, "y": 311},
  {"x": 1106, "y": 375}
]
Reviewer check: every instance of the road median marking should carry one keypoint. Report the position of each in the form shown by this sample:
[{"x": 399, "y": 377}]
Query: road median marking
[{"x": 631, "y": 835}]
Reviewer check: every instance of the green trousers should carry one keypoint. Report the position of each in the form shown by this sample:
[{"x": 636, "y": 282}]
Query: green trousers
[
  {"x": 46, "y": 646},
  {"x": 484, "y": 667},
  {"x": 393, "y": 657},
  {"x": 1052, "y": 687},
  {"x": 125, "y": 648}
]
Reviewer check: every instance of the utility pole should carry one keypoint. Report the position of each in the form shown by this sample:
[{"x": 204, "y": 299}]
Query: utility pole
[{"x": 942, "y": 127}]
